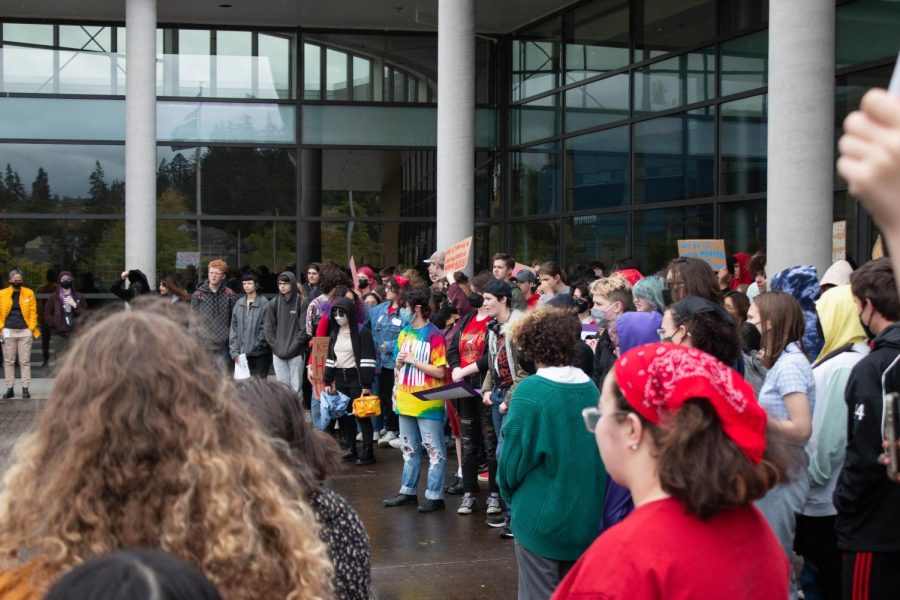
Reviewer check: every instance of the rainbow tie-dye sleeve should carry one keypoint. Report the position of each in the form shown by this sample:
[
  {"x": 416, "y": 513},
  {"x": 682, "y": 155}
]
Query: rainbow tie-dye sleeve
[{"x": 427, "y": 345}]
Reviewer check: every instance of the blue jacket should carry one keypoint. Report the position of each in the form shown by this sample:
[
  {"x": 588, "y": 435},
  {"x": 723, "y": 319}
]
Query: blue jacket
[{"x": 385, "y": 331}]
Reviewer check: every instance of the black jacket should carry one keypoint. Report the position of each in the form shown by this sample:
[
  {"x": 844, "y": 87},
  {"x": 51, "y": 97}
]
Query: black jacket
[
  {"x": 285, "y": 323},
  {"x": 868, "y": 504},
  {"x": 453, "y": 352},
  {"x": 360, "y": 339},
  {"x": 138, "y": 285},
  {"x": 211, "y": 315},
  {"x": 604, "y": 358}
]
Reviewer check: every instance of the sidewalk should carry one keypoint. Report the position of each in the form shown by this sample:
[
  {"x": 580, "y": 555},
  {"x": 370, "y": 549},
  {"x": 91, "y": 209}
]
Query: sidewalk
[{"x": 17, "y": 416}]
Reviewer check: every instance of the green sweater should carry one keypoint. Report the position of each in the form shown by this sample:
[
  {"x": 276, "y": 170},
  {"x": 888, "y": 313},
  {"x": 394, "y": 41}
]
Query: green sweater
[{"x": 550, "y": 470}]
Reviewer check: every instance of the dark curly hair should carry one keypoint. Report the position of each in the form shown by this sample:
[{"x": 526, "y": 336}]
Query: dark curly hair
[
  {"x": 421, "y": 297},
  {"x": 548, "y": 336},
  {"x": 333, "y": 277},
  {"x": 712, "y": 334}
]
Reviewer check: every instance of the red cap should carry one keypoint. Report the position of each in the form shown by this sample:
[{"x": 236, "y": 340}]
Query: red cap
[
  {"x": 632, "y": 275},
  {"x": 401, "y": 280},
  {"x": 656, "y": 379}
]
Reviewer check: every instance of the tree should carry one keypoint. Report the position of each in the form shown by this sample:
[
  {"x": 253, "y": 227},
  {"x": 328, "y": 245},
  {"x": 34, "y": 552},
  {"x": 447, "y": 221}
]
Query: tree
[{"x": 15, "y": 191}]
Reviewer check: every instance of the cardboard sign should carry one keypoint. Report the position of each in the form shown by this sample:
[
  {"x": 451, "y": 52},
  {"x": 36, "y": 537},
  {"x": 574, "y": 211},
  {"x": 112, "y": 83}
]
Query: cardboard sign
[
  {"x": 520, "y": 267},
  {"x": 456, "y": 257},
  {"x": 838, "y": 241},
  {"x": 185, "y": 259},
  {"x": 318, "y": 355},
  {"x": 710, "y": 251},
  {"x": 353, "y": 271}
]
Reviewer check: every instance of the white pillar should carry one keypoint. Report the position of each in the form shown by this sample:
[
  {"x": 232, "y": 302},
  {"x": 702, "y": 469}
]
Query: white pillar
[
  {"x": 140, "y": 137},
  {"x": 456, "y": 122},
  {"x": 801, "y": 134}
]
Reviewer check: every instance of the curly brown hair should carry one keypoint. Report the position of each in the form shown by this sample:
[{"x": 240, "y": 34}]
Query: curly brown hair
[
  {"x": 548, "y": 336},
  {"x": 141, "y": 446}
]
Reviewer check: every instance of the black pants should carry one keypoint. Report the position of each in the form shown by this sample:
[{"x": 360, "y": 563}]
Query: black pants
[
  {"x": 259, "y": 365},
  {"x": 871, "y": 575},
  {"x": 346, "y": 381},
  {"x": 816, "y": 542},
  {"x": 385, "y": 394},
  {"x": 477, "y": 426},
  {"x": 46, "y": 332}
]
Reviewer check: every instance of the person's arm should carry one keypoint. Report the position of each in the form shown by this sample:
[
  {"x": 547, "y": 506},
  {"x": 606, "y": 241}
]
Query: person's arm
[
  {"x": 366, "y": 359},
  {"x": 80, "y": 306},
  {"x": 453, "y": 345},
  {"x": 118, "y": 288},
  {"x": 798, "y": 426},
  {"x": 459, "y": 299},
  {"x": 49, "y": 314},
  {"x": 269, "y": 323}
]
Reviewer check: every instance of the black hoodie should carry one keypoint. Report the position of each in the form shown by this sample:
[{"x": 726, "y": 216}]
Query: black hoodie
[
  {"x": 868, "y": 504},
  {"x": 285, "y": 322},
  {"x": 360, "y": 339},
  {"x": 138, "y": 285}
]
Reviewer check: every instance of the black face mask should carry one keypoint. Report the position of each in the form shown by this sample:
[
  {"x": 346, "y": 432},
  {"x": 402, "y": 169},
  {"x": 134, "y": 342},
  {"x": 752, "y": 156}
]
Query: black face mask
[
  {"x": 66, "y": 285},
  {"x": 16, "y": 284},
  {"x": 476, "y": 300},
  {"x": 869, "y": 333},
  {"x": 582, "y": 304}
]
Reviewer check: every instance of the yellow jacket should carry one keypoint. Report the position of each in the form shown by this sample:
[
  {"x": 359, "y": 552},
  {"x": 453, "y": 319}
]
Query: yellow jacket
[{"x": 27, "y": 304}]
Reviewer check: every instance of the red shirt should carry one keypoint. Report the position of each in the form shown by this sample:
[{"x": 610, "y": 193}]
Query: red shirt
[
  {"x": 471, "y": 340},
  {"x": 659, "y": 551}
]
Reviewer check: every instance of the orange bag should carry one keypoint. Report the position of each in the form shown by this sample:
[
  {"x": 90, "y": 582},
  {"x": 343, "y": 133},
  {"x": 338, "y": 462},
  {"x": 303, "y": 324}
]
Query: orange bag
[{"x": 366, "y": 406}]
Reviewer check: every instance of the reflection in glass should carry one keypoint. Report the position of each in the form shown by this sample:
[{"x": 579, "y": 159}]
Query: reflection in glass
[
  {"x": 595, "y": 237},
  {"x": 46, "y": 178},
  {"x": 673, "y": 156},
  {"x": 335, "y": 75},
  {"x": 486, "y": 245},
  {"x": 362, "y": 79},
  {"x": 846, "y": 208},
  {"x": 535, "y": 180},
  {"x": 93, "y": 38},
  {"x": 745, "y": 63},
  {"x": 274, "y": 66},
  {"x": 743, "y": 153},
  {"x": 194, "y": 77},
  {"x": 597, "y": 39},
  {"x": 663, "y": 26},
  {"x": 312, "y": 72},
  {"x": 268, "y": 244},
  {"x": 597, "y": 170},
  {"x": 488, "y": 186},
  {"x": 655, "y": 233},
  {"x": 28, "y": 33},
  {"x": 534, "y": 240},
  {"x": 739, "y": 15},
  {"x": 743, "y": 226},
  {"x": 675, "y": 82},
  {"x": 233, "y": 181},
  {"x": 62, "y": 119},
  {"x": 849, "y": 90},
  {"x": 234, "y": 63},
  {"x": 536, "y": 59},
  {"x": 225, "y": 122},
  {"x": 597, "y": 103},
  {"x": 535, "y": 120},
  {"x": 866, "y": 30}
]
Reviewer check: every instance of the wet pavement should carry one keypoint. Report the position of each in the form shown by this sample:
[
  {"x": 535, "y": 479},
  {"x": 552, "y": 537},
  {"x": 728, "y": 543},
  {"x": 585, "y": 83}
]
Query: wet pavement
[{"x": 439, "y": 555}]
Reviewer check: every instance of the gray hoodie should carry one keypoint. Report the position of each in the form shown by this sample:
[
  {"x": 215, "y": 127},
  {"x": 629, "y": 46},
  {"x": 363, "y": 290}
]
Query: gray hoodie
[
  {"x": 285, "y": 320},
  {"x": 247, "y": 335}
]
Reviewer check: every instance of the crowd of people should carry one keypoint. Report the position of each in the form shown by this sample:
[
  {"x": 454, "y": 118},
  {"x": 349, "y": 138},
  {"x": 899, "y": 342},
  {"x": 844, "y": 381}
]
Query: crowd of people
[{"x": 675, "y": 434}]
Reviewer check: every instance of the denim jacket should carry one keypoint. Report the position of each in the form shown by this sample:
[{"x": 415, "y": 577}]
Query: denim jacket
[{"x": 385, "y": 331}]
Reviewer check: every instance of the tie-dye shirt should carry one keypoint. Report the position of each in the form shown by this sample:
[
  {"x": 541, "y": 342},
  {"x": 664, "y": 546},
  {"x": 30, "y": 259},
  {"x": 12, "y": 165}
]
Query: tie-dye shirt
[{"x": 426, "y": 345}]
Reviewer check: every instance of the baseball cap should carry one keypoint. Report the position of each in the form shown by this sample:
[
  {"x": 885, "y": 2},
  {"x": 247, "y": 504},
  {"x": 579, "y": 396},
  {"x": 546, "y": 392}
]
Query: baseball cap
[
  {"x": 437, "y": 257},
  {"x": 524, "y": 275}
]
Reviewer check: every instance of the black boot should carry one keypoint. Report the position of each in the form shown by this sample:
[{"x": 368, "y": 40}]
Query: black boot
[
  {"x": 25, "y": 394},
  {"x": 10, "y": 393},
  {"x": 351, "y": 454},
  {"x": 367, "y": 458}
]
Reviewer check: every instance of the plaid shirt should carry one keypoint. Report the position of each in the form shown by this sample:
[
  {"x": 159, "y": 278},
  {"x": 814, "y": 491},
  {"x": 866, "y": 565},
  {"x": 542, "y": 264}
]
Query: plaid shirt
[{"x": 791, "y": 373}]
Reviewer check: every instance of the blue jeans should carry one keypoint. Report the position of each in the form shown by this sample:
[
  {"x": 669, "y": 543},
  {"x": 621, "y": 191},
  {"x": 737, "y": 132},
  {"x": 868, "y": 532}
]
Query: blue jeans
[
  {"x": 497, "y": 395},
  {"x": 416, "y": 434}
]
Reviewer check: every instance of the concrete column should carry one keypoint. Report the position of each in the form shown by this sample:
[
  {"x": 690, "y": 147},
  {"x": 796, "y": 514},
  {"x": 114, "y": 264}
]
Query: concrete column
[
  {"x": 309, "y": 237},
  {"x": 456, "y": 122},
  {"x": 140, "y": 137},
  {"x": 801, "y": 131}
]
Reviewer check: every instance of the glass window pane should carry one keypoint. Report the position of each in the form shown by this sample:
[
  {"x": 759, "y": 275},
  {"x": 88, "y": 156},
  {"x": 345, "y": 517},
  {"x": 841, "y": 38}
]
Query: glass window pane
[
  {"x": 86, "y": 72},
  {"x": 745, "y": 63},
  {"x": 411, "y": 89},
  {"x": 597, "y": 39},
  {"x": 399, "y": 86},
  {"x": 62, "y": 119},
  {"x": 93, "y": 38},
  {"x": 274, "y": 67},
  {"x": 269, "y": 244},
  {"x": 656, "y": 232},
  {"x": 664, "y": 26},
  {"x": 597, "y": 169},
  {"x": 194, "y": 77},
  {"x": 531, "y": 241},
  {"x": 673, "y": 157},
  {"x": 233, "y": 181},
  {"x": 675, "y": 82},
  {"x": 234, "y": 64},
  {"x": 866, "y": 30},
  {"x": 336, "y": 75},
  {"x": 28, "y": 70},
  {"x": 535, "y": 120},
  {"x": 224, "y": 122},
  {"x": 596, "y": 237},
  {"x": 846, "y": 208},
  {"x": 536, "y": 180},
  {"x": 739, "y": 15},
  {"x": 362, "y": 79},
  {"x": 597, "y": 103},
  {"x": 488, "y": 188},
  {"x": 27, "y": 33},
  {"x": 46, "y": 178},
  {"x": 743, "y": 130},
  {"x": 743, "y": 226},
  {"x": 312, "y": 72},
  {"x": 386, "y": 87},
  {"x": 362, "y": 241},
  {"x": 849, "y": 90},
  {"x": 486, "y": 245},
  {"x": 536, "y": 60}
]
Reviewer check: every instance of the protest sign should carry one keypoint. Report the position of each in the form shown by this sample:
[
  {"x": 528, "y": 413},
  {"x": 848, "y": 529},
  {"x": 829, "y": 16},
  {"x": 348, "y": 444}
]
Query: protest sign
[
  {"x": 319, "y": 354},
  {"x": 838, "y": 241},
  {"x": 456, "y": 257},
  {"x": 710, "y": 251}
]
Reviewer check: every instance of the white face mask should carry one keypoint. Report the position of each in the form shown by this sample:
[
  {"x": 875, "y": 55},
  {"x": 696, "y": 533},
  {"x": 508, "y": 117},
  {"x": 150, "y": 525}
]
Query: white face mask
[{"x": 341, "y": 320}]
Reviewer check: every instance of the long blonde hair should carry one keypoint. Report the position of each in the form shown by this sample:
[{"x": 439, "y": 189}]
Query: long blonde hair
[{"x": 140, "y": 445}]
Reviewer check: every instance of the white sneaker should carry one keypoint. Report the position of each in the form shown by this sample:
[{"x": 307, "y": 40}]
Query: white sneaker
[
  {"x": 359, "y": 436},
  {"x": 467, "y": 506},
  {"x": 493, "y": 505},
  {"x": 396, "y": 443},
  {"x": 376, "y": 437},
  {"x": 386, "y": 439}
]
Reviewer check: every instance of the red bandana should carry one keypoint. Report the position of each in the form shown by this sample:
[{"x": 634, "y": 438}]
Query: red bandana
[{"x": 656, "y": 379}]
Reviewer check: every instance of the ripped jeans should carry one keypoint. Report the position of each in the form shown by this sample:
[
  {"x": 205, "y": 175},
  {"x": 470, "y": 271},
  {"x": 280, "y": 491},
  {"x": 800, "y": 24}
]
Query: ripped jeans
[{"x": 414, "y": 435}]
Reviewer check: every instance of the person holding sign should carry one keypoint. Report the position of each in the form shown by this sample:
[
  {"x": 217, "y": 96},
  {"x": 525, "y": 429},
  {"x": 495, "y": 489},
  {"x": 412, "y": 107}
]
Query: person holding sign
[{"x": 421, "y": 365}]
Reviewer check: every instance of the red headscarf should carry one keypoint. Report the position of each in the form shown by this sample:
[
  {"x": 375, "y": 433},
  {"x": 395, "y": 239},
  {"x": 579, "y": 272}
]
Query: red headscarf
[
  {"x": 744, "y": 277},
  {"x": 631, "y": 275},
  {"x": 656, "y": 379}
]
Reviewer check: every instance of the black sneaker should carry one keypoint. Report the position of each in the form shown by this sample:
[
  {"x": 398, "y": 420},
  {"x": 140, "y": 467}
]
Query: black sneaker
[
  {"x": 497, "y": 521},
  {"x": 25, "y": 394},
  {"x": 506, "y": 532},
  {"x": 10, "y": 394},
  {"x": 455, "y": 487},
  {"x": 401, "y": 499},
  {"x": 431, "y": 506}
]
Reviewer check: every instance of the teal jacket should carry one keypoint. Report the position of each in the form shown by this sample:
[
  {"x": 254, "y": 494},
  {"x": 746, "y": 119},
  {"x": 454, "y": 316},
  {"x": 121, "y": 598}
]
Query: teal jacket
[{"x": 550, "y": 471}]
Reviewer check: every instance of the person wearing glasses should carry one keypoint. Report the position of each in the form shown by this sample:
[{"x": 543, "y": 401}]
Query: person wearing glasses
[
  {"x": 685, "y": 434},
  {"x": 549, "y": 472},
  {"x": 689, "y": 276}
]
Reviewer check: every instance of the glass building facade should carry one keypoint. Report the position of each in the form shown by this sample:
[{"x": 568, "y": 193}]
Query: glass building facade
[{"x": 610, "y": 128}]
